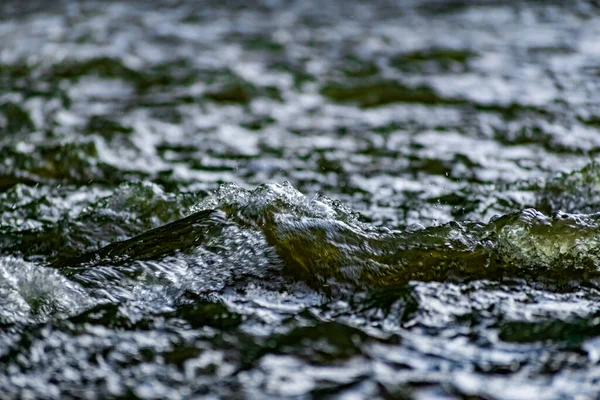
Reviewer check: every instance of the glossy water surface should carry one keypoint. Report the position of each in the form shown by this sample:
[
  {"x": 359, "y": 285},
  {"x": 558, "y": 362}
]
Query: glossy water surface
[{"x": 299, "y": 199}]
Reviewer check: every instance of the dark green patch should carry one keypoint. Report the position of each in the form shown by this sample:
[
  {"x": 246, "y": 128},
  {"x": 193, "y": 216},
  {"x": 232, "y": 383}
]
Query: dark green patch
[
  {"x": 228, "y": 88},
  {"x": 433, "y": 61},
  {"x": 512, "y": 111},
  {"x": 232, "y": 93},
  {"x": 263, "y": 43},
  {"x": 106, "y": 127},
  {"x": 330, "y": 163},
  {"x": 382, "y": 92},
  {"x": 355, "y": 67},
  {"x": 447, "y": 7},
  {"x": 10, "y": 73},
  {"x": 201, "y": 314},
  {"x": 259, "y": 123},
  {"x": 180, "y": 354},
  {"x": 177, "y": 72},
  {"x": 104, "y": 67},
  {"x": 568, "y": 333},
  {"x": 389, "y": 128},
  {"x": 593, "y": 120},
  {"x": 14, "y": 120},
  {"x": 235, "y": 90},
  {"x": 431, "y": 166},
  {"x": 321, "y": 344}
]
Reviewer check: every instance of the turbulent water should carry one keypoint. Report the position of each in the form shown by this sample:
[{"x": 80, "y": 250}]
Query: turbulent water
[{"x": 358, "y": 200}]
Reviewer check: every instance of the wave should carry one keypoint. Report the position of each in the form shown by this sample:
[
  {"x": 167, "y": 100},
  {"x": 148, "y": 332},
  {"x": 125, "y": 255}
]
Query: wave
[{"x": 323, "y": 243}]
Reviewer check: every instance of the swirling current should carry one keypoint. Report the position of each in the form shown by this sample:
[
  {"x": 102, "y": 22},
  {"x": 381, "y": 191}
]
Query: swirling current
[{"x": 299, "y": 199}]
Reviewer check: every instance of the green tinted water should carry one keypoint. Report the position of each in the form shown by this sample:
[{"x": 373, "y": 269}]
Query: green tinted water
[{"x": 292, "y": 199}]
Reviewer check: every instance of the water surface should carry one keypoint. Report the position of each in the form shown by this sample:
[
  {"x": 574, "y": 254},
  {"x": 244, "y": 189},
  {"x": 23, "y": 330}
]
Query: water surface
[{"x": 297, "y": 199}]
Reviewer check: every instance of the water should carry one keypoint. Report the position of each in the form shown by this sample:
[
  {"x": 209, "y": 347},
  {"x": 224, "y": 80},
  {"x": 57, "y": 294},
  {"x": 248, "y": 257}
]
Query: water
[{"x": 297, "y": 199}]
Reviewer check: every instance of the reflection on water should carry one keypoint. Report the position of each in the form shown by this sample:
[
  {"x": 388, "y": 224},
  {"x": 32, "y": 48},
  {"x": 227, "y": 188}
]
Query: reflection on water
[{"x": 289, "y": 198}]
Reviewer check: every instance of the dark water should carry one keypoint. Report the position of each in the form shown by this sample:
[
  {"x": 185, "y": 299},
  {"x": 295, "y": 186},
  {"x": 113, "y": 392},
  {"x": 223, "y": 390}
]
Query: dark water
[{"x": 300, "y": 199}]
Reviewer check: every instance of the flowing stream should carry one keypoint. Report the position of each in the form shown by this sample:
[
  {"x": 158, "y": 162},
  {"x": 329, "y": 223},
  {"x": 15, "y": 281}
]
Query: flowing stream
[{"x": 299, "y": 199}]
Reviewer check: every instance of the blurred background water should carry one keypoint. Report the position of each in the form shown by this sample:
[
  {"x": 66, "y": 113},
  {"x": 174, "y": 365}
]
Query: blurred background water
[{"x": 269, "y": 199}]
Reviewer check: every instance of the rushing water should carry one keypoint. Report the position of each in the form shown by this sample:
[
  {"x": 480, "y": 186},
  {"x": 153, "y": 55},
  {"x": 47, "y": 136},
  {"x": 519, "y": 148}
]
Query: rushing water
[{"x": 299, "y": 199}]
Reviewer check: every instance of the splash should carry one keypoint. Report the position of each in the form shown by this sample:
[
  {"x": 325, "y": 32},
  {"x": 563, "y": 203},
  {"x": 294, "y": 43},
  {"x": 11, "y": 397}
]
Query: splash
[{"x": 34, "y": 294}]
